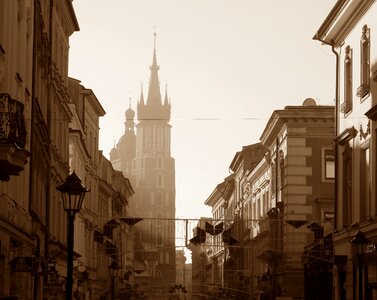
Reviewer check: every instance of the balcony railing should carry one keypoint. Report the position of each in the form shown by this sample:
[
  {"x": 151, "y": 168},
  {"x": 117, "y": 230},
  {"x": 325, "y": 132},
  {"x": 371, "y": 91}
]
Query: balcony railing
[
  {"x": 13, "y": 156},
  {"x": 12, "y": 123}
]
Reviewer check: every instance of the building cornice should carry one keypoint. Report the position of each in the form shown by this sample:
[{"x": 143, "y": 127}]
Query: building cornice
[
  {"x": 347, "y": 135},
  {"x": 294, "y": 114},
  {"x": 372, "y": 113},
  {"x": 341, "y": 20}
]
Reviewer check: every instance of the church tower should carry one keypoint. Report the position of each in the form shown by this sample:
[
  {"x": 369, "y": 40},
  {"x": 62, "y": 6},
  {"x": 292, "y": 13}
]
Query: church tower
[
  {"x": 145, "y": 157},
  {"x": 122, "y": 156}
]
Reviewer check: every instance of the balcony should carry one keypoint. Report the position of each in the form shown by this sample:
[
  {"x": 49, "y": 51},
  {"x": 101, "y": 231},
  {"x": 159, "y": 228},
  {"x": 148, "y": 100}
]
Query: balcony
[{"x": 13, "y": 156}]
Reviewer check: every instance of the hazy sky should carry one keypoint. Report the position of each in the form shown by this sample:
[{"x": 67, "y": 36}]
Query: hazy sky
[{"x": 227, "y": 65}]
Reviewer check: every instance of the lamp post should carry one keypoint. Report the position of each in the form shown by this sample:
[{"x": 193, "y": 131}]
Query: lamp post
[
  {"x": 263, "y": 282},
  {"x": 73, "y": 193},
  {"x": 359, "y": 243},
  {"x": 113, "y": 270}
]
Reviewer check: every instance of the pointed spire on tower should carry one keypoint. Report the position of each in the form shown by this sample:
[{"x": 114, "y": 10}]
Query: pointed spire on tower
[
  {"x": 141, "y": 102},
  {"x": 130, "y": 114},
  {"x": 166, "y": 102},
  {"x": 154, "y": 93}
]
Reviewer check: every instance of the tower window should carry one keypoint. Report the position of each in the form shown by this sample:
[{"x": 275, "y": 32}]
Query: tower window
[
  {"x": 160, "y": 180},
  {"x": 159, "y": 162}
]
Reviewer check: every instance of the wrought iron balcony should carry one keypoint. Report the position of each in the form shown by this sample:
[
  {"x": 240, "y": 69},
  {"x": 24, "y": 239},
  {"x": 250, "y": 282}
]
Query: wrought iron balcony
[{"x": 13, "y": 156}]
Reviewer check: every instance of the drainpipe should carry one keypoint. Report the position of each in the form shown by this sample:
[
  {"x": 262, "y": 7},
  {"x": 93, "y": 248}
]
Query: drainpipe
[{"x": 337, "y": 106}]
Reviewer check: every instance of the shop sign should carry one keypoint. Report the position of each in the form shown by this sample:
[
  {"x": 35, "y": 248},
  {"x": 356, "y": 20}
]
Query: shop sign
[{"x": 23, "y": 264}]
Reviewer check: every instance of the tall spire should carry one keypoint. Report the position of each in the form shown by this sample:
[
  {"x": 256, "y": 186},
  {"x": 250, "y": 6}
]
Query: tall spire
[
  {"x": 166, "y": 101},
  {"x": 154, "y": 108},
  {"x": 154, "y": 93},
  {"x": 141, "y": 102}
]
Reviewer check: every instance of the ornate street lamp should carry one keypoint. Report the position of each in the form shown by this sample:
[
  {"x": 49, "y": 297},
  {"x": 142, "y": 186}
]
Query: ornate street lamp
[
  {"x": 263, "y": 282},
  {"x": 113, "y": 270},
  {"x": 359, "y": 243},
  {"x": 73, "y": 193}
]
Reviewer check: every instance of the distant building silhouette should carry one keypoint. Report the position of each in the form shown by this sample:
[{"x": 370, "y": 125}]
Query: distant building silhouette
[{"x": 145, "y": 157}]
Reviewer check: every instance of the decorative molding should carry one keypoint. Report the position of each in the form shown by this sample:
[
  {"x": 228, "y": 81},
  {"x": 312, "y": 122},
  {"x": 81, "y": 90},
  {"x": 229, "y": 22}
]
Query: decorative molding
[
  {"x": 28, "y": 22},
  {"x": 246, "y": 191},
  {"x": 346, "y": 136},
  {"x": 264, "y": 183},
  {"x": 21, "y": 7},
  {"x": 372, "y": 113},
  {"x": 362, "y": 134},
  {"x": 346, "y": 106},
  {"x": 365, "y": 34},
  {"x": 362, "y": 90}
]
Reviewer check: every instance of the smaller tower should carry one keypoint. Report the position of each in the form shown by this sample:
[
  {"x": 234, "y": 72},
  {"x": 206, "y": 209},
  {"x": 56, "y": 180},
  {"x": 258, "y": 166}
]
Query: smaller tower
[
  {"x": 127, "y": 143},
  {"x": 130, "y": 117}
]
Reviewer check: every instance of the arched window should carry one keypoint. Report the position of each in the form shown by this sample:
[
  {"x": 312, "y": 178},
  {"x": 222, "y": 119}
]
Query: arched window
[
  {"x": 159, "y": 199},
  {"x": 159, "y": 162},
  {"x": 160, "y": 180}
]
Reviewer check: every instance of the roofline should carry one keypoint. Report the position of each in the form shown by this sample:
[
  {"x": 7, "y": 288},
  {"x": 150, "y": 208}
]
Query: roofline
[
  {"x": 97, "y": 104},
  {"x": 73, "y": 14},
  {"x": 341, "y": 20},
  {"x": 279, "y": 118},
  {"x": 329, "y": 20}
]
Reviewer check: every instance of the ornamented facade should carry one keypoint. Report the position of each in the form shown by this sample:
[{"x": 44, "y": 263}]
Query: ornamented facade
[
  {"x": 49, "y": 128},
  {"x": 350, "y": 29},
  {"x": 276, "y": 240}
]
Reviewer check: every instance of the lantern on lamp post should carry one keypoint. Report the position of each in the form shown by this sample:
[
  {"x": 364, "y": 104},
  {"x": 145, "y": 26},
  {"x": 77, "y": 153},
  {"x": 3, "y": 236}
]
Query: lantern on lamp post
[
  {"x": 359, "y": 243},
  {"x": 73, "y": 193},
  {"x": 264, "y": 282}
]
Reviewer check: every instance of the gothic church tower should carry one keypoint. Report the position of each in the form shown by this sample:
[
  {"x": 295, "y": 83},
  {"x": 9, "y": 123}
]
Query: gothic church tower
[{"x": 146, "y": 159}]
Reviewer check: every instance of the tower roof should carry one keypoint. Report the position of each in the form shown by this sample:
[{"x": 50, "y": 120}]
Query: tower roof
[
  {"x": 130, "y": 113},
  {"x": 154, "y": 93},
  {"x": 154, "y": 109}
]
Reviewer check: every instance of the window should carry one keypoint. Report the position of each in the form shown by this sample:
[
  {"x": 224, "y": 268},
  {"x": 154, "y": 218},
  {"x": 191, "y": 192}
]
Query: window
[
  {"x": 347, "y": 185},
  {"x": 363, "y": 89},
  {"x": 159, "y": 237},
  {"x": 347, "y": 104},
  {"x": 273, "y": 180},
  {"x": 160, "y": 180},
  {"x": 161, "y": 258},
  {"x": 159, "y": 162},
  {"x": 159, "y": 199},
  {"x": 365, "y": 182},
  {"x": 167, "y": 258},
  {"x": 328, "y": 164}
]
